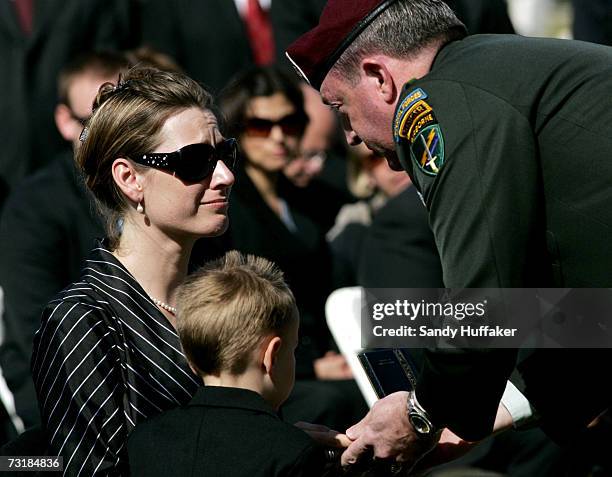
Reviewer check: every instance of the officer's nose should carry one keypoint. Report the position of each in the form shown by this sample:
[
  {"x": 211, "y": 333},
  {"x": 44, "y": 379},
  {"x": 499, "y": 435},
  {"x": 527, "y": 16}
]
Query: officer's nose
[{"x": 351, "y": 136}]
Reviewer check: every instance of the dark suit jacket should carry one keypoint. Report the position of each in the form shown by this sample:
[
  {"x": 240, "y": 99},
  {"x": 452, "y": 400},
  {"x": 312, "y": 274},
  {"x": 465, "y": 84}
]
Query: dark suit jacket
[
  {"x": 292, "y": 18},
  {"x": 207, "y": 38},
  {"x": 593, "y": 21},
  {"x": 483, "y": 16},
  {"x": 47, "y": 229},
  {"x": 324, "y": 196},
  {"x": 62, "y": 29},
  {"x": 398, "y": 249},
  {"x": 222, "y": 432}
]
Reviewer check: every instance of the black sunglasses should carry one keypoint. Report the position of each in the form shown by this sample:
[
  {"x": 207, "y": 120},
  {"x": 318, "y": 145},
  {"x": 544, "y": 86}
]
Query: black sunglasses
[
  {"x": 194, "y": 162},
  {"x": 291, "y": 125}
]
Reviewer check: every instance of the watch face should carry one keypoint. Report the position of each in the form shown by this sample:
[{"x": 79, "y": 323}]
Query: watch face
[{"x": 421, "y": 426}]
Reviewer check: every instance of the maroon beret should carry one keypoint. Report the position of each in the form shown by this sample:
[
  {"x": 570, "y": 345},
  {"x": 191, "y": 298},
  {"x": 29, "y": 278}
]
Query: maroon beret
[{"x": 314, "y": 53}]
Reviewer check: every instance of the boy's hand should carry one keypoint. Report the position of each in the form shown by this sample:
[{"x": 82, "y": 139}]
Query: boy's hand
[{"x": 324, "y": 435}]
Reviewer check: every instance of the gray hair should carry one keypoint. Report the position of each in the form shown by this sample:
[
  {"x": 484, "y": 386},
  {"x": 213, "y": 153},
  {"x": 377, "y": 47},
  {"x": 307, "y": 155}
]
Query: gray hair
[{"x": 401, "y": 31}]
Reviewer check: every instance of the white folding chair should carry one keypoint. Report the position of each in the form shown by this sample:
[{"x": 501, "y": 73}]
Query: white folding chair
[
  {"x": 342, "y": 311},
  {"x": 6, "y": 396}
]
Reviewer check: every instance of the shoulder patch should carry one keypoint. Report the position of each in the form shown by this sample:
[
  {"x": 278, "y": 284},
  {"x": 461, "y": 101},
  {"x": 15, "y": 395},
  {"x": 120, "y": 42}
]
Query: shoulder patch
[
  {"x": 415, "y": 118},
  {"x": 404, "y": 108},
  {"x": 416, "y": 127},
  {"x": 427, "y": 148}
]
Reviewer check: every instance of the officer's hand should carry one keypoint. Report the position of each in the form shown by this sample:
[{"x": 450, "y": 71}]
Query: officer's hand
[
  {"x": 388, "y": 434},
  {"x": 451, "y": 446},
  {"x": 324, "y": 435}
]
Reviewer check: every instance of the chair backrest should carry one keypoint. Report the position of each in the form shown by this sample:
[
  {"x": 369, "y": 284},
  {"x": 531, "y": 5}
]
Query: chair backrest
[
  {"x": 1, "y": 315},
  {"x": 342, "y": 311}
]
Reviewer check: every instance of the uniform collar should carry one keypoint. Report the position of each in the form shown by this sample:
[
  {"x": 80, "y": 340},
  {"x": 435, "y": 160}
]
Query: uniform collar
[
  {"x": 237, "y": 398},
  {"x": 443, "y": 53}
]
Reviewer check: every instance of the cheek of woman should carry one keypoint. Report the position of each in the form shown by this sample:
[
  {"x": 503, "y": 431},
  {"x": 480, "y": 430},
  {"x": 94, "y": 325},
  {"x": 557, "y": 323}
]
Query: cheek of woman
[
  {"x": 211, "y": 211},
  {"x": 184, "y": 215},
  {"x": 171, "y": 204}
]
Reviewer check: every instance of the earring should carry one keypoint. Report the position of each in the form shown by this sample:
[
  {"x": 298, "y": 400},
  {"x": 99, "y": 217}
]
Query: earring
[{"x": 140, "y": 208}]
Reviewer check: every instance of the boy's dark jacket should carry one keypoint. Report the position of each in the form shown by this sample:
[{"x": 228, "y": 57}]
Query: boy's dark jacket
[{"x": 222, "y": 432}]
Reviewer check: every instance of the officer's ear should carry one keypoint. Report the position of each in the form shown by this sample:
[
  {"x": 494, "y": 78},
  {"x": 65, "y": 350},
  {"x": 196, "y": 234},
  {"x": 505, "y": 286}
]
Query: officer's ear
[{"x": 379, "y": 77}]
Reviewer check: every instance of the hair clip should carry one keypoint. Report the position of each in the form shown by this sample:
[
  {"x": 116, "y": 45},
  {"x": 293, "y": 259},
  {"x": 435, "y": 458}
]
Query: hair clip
[
  {"x": 84, "y": 134},
  {"x": 121, "y": 86}
]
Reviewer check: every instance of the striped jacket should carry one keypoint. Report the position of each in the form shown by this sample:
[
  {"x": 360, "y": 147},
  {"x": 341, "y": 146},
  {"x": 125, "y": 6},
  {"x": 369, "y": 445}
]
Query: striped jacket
[{"x": 105, "y": 359}]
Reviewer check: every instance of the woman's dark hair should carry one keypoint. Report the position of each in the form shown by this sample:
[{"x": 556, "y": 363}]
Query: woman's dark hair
[
  {"x": 126, "y": 122},
  {"x": 256, "y": 82}
]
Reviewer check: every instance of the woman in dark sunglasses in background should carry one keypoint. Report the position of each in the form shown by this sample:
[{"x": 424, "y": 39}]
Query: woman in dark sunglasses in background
[
  {"x": 107, "y": 355},
  {"x": 264, "y": 110}
]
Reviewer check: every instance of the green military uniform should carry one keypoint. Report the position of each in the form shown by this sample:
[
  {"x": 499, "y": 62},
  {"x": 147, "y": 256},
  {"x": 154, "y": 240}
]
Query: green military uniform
[{"x": 509, "y": 141}]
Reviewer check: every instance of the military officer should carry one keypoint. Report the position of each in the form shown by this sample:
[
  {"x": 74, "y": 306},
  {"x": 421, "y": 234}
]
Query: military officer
[{"x": 509, "y": 141}]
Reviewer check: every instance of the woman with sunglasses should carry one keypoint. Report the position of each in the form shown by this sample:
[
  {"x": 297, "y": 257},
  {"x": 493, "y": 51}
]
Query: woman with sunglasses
[
  {"x": 107, "y": 355},
  {"x": 264, "y": 110}
]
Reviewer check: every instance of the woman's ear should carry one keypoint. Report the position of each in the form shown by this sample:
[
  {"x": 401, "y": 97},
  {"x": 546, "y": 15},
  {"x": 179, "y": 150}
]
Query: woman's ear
[
  {"x": 127, "y": 179},
  {"x": 270, "y": 355}
]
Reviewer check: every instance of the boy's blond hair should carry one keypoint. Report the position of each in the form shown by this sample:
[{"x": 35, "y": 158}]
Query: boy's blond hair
[{"x": 227, "y": 307}]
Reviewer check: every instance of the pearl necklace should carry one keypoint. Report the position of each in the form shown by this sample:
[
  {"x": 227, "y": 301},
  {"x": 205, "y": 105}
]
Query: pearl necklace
[{"x": 165, "y": 306}]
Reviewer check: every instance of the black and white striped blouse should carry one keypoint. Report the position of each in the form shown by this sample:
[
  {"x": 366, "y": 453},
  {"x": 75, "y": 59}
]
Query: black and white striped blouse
[{"x": 105, "y": 358}]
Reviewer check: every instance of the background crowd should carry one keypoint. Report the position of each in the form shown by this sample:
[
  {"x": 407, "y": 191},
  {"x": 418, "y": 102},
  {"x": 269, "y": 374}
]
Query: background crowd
[{"x": 328, "y": 215}]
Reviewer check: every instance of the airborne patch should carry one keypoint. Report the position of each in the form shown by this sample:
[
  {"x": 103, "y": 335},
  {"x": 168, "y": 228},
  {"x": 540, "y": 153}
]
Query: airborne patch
[
  {"x": 408, "y": 102},
  {"x": 418, "y": 116}
]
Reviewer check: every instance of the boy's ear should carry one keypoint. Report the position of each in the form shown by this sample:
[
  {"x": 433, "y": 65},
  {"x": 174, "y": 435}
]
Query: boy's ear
[
  {"x": 195, "y": 370},
  {"x": 270, "y": 355}
]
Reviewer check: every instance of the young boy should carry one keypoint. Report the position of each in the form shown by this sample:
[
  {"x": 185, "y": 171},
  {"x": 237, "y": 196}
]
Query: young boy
[{"x": 238, "y": 324}]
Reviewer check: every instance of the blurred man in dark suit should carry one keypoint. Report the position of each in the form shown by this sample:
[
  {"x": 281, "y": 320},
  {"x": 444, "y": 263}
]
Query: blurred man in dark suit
[
  {"x": 211, "y": 40},
  {"x": 38, "y": 37},
  {"x": 593, "y": 21},
  {"x": 48, "y": 227}
]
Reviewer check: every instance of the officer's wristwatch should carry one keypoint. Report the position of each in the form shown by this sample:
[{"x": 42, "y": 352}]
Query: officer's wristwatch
[{"x": 418, "y": 417}]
